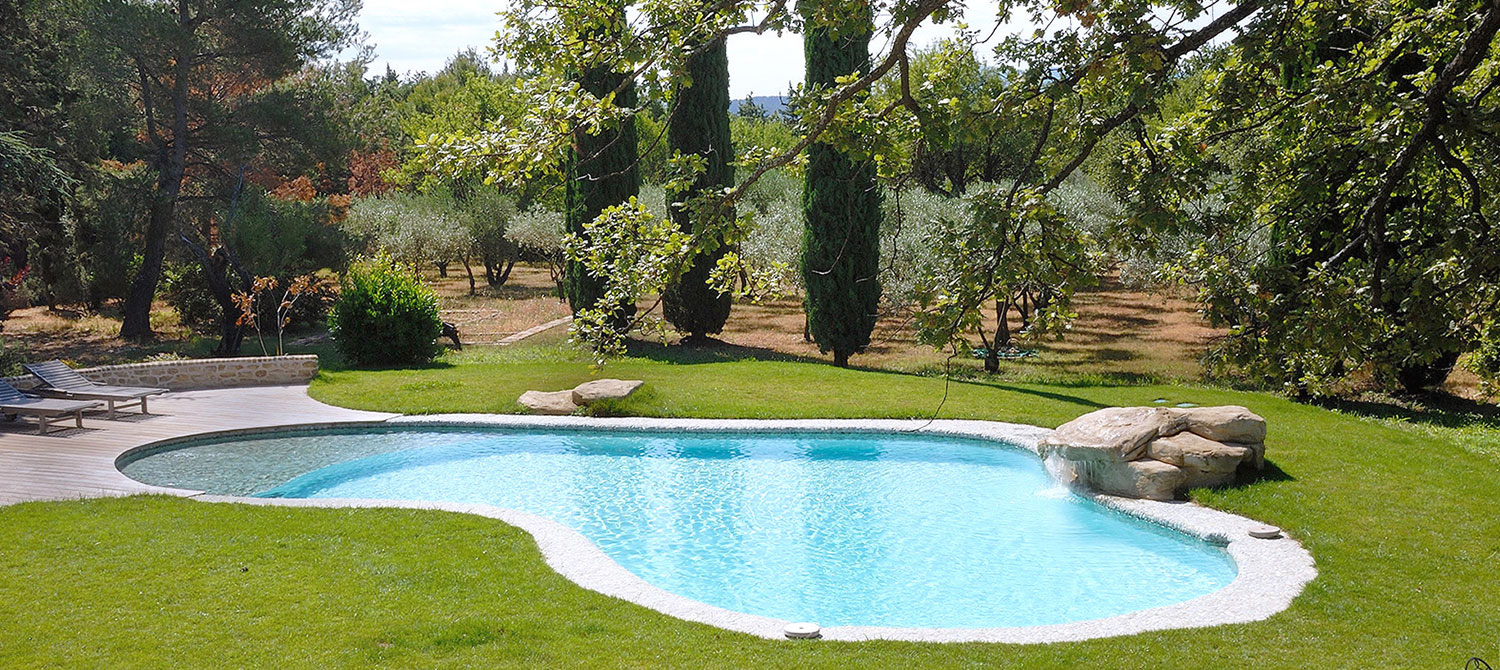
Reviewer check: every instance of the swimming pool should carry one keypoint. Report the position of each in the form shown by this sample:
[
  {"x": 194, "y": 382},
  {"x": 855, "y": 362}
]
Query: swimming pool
[{"x": 845, "y": 529}]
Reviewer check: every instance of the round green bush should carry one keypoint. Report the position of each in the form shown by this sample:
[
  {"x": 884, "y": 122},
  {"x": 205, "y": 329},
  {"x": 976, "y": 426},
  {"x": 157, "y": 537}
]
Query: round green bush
[
  {"x": 385, "y": 315},
  {"x": 187, "y": 291}
]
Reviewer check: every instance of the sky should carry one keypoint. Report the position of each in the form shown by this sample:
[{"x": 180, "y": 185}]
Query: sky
[{"x": 421, "y": 36}]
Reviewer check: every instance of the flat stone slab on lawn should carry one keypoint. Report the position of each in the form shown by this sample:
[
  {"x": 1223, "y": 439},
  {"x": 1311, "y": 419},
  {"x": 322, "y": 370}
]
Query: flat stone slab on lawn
[
  {"x": 602, "y": 389},
  {"x": 549, "y": 402}
]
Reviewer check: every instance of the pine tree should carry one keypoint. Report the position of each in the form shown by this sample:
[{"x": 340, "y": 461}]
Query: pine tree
[
  {"x": 602, "y": 173},
  {"x": 700, "y": 125},
  {"x": 840, "y": 203}
]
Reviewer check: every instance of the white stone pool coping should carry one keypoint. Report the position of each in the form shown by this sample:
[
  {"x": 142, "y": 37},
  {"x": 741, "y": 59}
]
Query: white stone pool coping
[{"x": 1271, "y": 573}]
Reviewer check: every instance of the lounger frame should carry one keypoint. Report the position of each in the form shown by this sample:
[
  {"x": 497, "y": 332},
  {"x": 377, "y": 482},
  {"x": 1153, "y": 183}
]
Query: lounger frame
[
  {"x": 44, "y": 418},
  {"x": 62, "y": 381}
]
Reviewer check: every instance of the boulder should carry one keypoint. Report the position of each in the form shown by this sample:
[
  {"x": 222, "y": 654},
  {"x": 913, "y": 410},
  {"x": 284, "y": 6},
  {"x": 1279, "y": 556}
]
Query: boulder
[
  {"x": 1188, "y": 450},
  {"x": 601, "y": 389},
  {"x": 1115, "y": 434},
  {"x": 1228, "y": 423},
  {"x": 1149, "y": 479},
  {"x": 549, "y": 402},
  {"x": 1153, "y": 452},
  {"x": 1204, "y": 462}
]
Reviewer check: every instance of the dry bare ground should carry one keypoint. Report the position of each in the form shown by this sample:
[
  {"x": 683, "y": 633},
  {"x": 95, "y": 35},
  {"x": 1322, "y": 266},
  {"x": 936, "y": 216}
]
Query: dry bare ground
[
  {"x": 528, "y": 298},
  {"x": 1120, "y": 332}
]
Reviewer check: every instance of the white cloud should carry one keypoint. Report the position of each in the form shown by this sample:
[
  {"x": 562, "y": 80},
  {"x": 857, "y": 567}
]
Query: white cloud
[{"x": 422, "y": 36}]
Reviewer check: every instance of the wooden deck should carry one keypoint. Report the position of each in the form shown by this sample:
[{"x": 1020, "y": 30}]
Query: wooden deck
[{"x": 77, "y": 463}]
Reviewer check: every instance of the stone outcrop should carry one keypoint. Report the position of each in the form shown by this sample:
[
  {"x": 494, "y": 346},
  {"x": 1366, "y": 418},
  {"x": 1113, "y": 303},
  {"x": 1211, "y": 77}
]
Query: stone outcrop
[
  {"x": 1156, "y": 452},
  {"x": 604, "y": 389},
  {"x": 548, "y": 402},
  {"x": 568, "y": 401}
]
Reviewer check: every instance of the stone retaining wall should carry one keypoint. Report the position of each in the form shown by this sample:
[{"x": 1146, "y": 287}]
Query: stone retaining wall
[{"x": 201, "y": 373}]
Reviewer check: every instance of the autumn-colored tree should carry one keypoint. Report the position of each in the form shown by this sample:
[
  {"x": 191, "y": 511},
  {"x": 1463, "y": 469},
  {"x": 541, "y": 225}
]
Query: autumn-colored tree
[{"x": 200, "y": 72}]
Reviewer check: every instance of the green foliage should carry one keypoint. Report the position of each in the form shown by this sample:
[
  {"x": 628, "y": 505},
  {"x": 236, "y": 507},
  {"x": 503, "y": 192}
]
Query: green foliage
[
  {"x": 486, "y": 217},
  {"x": 214, "y": 89},
  {"x": 750, "y": 110},
  {"x": 186, "y": 290},
  {"x": 281, "y": 238},
  {"x": 413, "y": 228},
  {"x": 1021, "y": 257},
  {"x": 10, "y": 360},
  {"x": 699, "y": 125},
  {"x": 1333, "y": 175},
  {"x": 538, "y": 235},
  {"x": 840, "y": 252},
  {"x": 33, "y": 193},
  {"x": 773, "y": 244},
  {"x": 954, "y": 138},
  {"x": 602, "y": 173},
  {"x": 108, "y": 219},
  {"x": 761, "y": 135},
  {"x": 385, "y": 315}
]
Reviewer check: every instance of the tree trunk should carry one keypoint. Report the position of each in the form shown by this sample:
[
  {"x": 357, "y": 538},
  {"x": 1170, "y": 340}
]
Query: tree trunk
[
  {"x": 470, "y": 269},
  {"x": 171, "y": 164},
  {"x": 216, "y": 269},
  {"x": 1002, "y": 323}
]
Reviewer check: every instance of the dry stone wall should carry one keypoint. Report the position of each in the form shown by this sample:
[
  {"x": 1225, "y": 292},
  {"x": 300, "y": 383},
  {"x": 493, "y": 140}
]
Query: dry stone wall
[{"x": 200, "y": 373}]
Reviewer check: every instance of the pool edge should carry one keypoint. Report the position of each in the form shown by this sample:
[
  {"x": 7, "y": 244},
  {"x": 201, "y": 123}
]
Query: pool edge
[{"x": 1270, "y": 573}]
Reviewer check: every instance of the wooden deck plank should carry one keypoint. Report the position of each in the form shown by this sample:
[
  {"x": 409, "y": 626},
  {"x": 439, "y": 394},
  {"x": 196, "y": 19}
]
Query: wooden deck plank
[{"x": 77, "y": 463}]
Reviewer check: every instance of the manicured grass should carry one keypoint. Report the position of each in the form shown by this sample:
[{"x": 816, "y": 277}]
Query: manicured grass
[{"x": 1401, "y": 519}]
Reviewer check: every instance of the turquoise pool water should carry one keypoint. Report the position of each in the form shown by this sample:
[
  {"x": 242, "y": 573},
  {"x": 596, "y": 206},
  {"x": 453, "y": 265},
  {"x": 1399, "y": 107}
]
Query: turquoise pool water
[{"x": 840, "y": 529}]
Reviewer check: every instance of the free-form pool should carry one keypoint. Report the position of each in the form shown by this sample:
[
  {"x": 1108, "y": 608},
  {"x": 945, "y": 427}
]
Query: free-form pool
[{"x": 870, "y": 529}]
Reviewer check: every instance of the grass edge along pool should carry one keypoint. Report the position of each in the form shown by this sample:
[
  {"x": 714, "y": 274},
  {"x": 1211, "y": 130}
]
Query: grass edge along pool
[{"x": 843, "y": 528}]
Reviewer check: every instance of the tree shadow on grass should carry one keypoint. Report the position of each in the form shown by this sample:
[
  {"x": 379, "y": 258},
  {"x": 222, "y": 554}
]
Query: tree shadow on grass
[
  {"x": 710, "y": 350},
  {"x": 1433, "y": 409},
  {"x": 337, "y": 364},
  {"x": 717, "y": 351}
]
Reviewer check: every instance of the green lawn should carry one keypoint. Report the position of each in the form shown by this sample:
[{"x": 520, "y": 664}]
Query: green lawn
[{"x": 1400, "y": 515}]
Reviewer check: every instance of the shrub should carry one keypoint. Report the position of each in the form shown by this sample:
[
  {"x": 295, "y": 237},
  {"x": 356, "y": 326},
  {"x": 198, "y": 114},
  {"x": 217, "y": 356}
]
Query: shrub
[
  {"x": 186, "y": 290},
  {"x": 538, "y": 236},
  {"x": 286, "y": 238},
  {"x": 385, "y": 315}
]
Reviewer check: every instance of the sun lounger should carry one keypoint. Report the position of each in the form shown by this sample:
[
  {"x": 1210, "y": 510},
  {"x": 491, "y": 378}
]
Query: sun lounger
[
  {"x": 63, "y": 382},
  {"x": 13, "y": 402}
]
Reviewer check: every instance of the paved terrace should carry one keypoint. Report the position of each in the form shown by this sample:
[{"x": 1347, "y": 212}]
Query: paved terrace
[{"x": 71, "y": 463}]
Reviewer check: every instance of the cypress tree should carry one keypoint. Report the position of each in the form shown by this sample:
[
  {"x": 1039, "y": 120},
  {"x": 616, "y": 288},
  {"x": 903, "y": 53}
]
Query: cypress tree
[
  {"x": 840, "y": 203},
  {"x": 700, "y": 125},
  {"x": 601, "y": 173}
]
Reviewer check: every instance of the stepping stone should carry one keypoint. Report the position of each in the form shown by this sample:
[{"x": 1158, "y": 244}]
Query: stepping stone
[
  {"x": 549, "y": 402},
  {"x": 601, "y": 389}
]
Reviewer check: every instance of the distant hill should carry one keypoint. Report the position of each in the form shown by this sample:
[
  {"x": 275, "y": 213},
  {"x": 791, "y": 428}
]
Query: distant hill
[{"x": 772, "y": 103}]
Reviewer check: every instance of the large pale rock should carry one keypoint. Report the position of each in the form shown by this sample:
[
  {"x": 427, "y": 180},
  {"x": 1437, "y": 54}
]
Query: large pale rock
[
  {"x": 1149, "y": 479},
  {"x": 1114, "y": 434},
  {"x": 1257, "y": 452},
  {"x": 1227, "y": 423},
  {"x": 1154, "y": 452},
  {"x": 601, "y": 389},
  {"x": 549, "y": 402},
  {"x": 1187, "y": 450},
  {"x": 1204, "y": 462}
]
